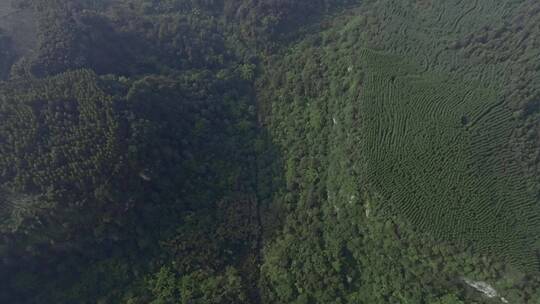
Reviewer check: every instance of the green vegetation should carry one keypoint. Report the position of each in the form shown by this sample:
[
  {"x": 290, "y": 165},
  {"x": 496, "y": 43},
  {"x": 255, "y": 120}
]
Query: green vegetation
[
  {"x": 493, "y": 42},
  {"x": 435, "y": 149},
  {"x": 372, "y": 134},
  {"x": 291, "y": 151}
]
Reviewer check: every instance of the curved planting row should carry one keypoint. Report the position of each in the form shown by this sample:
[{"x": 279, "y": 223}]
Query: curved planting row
[{"x": 435, "y": 149}]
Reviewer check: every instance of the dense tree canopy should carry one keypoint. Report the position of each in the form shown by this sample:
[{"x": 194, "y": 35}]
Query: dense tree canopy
[{"x": 217, "y": 151}]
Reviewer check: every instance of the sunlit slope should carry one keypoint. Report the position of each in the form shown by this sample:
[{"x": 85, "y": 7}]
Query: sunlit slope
[
  {"x": 434, "y": 95},
  {"x": 436, "y": 150},
  {"x": 434, "y": 145}
]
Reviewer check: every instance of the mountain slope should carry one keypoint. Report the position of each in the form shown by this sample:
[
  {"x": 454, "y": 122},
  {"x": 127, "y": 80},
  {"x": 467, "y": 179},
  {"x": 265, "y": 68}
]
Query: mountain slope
[{"x": 238, "y": 151}]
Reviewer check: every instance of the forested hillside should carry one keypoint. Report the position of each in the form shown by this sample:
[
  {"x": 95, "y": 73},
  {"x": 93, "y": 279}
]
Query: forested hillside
[{"x": 284, "y": 151}]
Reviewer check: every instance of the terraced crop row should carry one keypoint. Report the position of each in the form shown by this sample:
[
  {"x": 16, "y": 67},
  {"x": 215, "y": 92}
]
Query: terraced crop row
[{"x": 436, "y": 150}]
